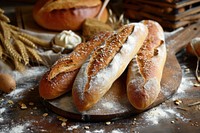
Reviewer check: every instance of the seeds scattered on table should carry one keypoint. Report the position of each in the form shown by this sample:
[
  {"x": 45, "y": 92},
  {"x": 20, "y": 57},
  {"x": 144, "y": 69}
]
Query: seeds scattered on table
[
  {"x": 45, "y": 114},
  {"x": 178, "y": 102}
]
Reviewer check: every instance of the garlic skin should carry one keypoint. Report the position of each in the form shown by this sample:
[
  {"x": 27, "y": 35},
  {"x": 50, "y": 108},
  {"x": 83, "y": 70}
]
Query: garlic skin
[{"x": 67, "y": 39}]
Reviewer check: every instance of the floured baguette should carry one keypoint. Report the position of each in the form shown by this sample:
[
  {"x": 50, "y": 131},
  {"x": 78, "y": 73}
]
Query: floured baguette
[
  {"x": 106, "y": 64},
  {"x": 146, "y": 68},
  {"x": 59, "y": 79}
]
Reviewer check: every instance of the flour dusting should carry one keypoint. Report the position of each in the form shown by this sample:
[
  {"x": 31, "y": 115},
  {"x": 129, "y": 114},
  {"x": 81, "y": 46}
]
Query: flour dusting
[
  {"x": 2, "y": 110},
  {"x": 31, "y": 73},
  {"x": 154, "y": 115},
  {"x": 117, "y": 131},
  {"x": 70, "y": 128},
  {"x": 186, "y": 84},
  {"x": 96, "y": 131},
  {"x": 25, "y": 80},
  {"x": 20, "y": 128}
]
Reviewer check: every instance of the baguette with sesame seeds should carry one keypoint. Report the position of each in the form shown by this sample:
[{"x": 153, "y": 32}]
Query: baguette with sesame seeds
[
  {"x": 146, "y": 68},
  {"x": 59, "y": 79},
  {"x": 106, "y": 64}
]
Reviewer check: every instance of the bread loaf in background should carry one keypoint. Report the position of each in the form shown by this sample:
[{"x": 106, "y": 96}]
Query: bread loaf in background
[
  {"x": 106, "y": 64},
  {"x": 146, "y": 68},
  {"x": 66, "y": 14},
  {"x": 59, "y": 79}
]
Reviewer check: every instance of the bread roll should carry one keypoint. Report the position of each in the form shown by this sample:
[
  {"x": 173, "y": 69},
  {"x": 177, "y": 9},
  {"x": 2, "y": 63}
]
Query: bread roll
[
  {"x": 146, "y": 68},
  {"x": 106, "y": 64},
  {"x": 66, "y": 14},
  {"x": 59, "y": 79}
]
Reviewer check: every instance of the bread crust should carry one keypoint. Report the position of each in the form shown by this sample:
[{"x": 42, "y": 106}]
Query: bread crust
[
  {"x": 66, "y": 14},
  {"x": 146, "y": 68},
  {"x": 106, "y": 64},
  {"x": 59, "y": 79}
]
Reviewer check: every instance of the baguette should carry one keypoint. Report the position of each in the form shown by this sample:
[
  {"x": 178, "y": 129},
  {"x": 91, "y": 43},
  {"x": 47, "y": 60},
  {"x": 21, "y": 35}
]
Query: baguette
[
  {"x": 145, "y": 69},
  {"x": 59, "y": 79},
  {"x": 106, "y": 64}
]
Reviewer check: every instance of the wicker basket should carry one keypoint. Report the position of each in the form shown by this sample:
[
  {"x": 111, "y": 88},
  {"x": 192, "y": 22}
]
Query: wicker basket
[{"x": 171, "y": 14}]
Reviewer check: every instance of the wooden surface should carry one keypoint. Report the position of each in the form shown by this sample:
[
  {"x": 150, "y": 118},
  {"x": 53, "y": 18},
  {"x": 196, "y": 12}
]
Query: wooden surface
[{"x": 167, "y": 117}]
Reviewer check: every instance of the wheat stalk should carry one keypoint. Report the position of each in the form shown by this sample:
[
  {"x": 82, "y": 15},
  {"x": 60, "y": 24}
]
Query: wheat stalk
[
  {"x": 14, "y": 28},
  {"x": 1, "y": 52},
  {"x": 1, "y": 10},
  {"x": 6, "y": 30},
  {"x": 4, "y": 18},
  {"x": 33, "y": 53},
  {"x": 18, "y": 47},
  {"x": 22, "y": 50},
  {"x": 9, "y": 47},
  {"x": 18, "y": 65},
  {"x": 35, "y": 40},
  {"x": 27, "y": 42}
]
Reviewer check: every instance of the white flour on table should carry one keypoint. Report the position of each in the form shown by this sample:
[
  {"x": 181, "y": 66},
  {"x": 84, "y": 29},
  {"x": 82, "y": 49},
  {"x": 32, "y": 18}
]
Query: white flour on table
[{"x": 16, "y": 128}]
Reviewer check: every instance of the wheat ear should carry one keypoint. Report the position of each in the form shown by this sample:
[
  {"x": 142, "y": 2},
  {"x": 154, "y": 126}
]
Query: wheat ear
[
  {"x": 22, "y": 50},
  {"x": 33, "y": 53},
  {"x": 35, "y": 40},
  {"x": 18, "y": 65},
  {"x": 6, "y": 30},
  {"x": 1, "y": 52},
  {"x": 4, "y": 18},
  {"x": 9, "y": 47},
  {"x": 27, "y": 42}
]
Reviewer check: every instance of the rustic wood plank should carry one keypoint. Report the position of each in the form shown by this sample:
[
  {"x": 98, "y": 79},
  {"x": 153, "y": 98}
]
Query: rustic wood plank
[
  {"x": 191, "y": 17},
  {"x": 165, "y": 4},
  {"x": 160, "y": 12}
]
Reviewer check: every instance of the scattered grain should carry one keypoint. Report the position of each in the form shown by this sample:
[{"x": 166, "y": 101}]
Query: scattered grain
[
  {"x": 63, "y": 124},
  {"x": 172, "y": 122},
  {"x": 31, "y": 103},
  {"x": 196, "y": 84},
  {"x": 108, "y": 123},
  {"x": 178, "y": 102},
  {"x": 86, "y": 127},
  {"x": 45, "y": 114},
  {"x": 10, "y": 102},
  {"x": 22, "y": 105}
]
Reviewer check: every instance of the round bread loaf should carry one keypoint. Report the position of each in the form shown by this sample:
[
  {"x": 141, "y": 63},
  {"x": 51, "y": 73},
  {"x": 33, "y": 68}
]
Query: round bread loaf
[{"x": 66, "y": 14}]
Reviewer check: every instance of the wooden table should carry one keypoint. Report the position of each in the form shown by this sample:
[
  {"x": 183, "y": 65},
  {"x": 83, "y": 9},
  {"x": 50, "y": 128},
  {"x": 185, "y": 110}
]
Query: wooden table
[{"x": 24, "y": 111}]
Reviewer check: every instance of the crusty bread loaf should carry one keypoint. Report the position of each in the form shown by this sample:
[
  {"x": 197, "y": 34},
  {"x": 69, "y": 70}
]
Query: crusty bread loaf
[
  {"x": 146, "y": 68},
  {"x": 59, "y": 79},
  {"x": 66, "y": 14},
  {"x": 106, "y": 64}
]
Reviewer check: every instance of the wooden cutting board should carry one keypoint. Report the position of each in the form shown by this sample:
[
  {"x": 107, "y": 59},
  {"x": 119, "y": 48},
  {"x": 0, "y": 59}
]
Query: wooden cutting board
[{"x": 115, "y": 105}]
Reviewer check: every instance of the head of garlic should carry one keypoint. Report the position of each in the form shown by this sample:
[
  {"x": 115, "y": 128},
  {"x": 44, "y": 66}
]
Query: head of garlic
[{"x": 67, "y": 39}]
